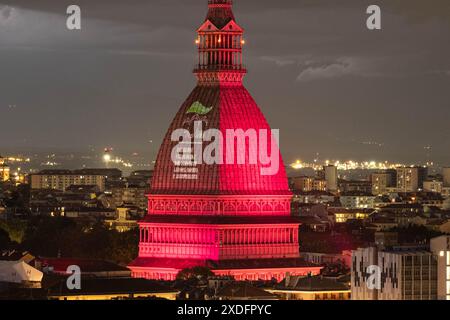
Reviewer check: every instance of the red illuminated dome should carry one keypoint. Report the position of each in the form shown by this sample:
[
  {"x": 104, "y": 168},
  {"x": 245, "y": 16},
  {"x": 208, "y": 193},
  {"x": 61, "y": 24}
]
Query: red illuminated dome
[{"x": 227, "y": 216}]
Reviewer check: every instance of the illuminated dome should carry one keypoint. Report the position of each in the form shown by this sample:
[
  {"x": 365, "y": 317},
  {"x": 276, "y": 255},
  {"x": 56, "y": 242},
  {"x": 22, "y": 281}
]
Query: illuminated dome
[{"x": 233, "y": 108}]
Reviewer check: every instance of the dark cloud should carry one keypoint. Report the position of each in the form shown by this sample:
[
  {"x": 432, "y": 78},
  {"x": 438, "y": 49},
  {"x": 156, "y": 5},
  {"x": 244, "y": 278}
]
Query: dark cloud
[
  {"x": 5, "y": 14},
  {"x": 318, "y": 74},
  {"x": 421, "y": 11}
]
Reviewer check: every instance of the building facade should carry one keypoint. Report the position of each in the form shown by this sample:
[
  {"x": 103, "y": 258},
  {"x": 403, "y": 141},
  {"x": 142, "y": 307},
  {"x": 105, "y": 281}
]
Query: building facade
[
  {"x": 63, "y": 179},
  {"x": 435, "y": 186},
  {"x": 357, "y": 200},
  {"x": 446, "y": 176},
  {"x": 383, "y": 181},
  {"x": 331, "y": 177},
  {"x": 343, "y": 214},
  {"x": 309, "y": 184},
  {"x": 303, "y": 184},
  {"x": 4, "y": 171},
  {"x": 134, "y": 195},
  {"x": 394, "y": 274},
  {"x": 355, "y": 186},
  {"x": 440, "y": 247},
  {"x": 410, "y": 179}
]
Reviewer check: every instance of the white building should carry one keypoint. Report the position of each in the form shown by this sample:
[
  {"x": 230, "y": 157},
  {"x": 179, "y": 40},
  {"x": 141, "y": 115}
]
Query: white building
[
  {"x": 399, "y": 274},
  {"x": 362, "y": 259},
  {"x": 19, "y": 272},
  {"x": 4, "y": 170},
  {"x": 383, "y": 181},
  {"x": 331, "y": 177},
  {"x": 410, "y": 179},
  {"x": 446, "y": 175},
  {"x": 62, "y": 179},
  {"x": 440, "y": 247},
  {"x": 357, "y": 200},
  {"x": 433, "y": 186}
]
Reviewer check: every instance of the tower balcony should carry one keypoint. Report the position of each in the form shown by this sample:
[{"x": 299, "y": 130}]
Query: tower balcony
[
  {"x": 211, "y": 2},
  {"x": 220, "y": 68},
  {"x": 162, "y": 237}
]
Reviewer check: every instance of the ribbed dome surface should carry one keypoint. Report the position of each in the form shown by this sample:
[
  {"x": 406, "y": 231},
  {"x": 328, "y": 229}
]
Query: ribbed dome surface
[{"x": 232, "y": 108}]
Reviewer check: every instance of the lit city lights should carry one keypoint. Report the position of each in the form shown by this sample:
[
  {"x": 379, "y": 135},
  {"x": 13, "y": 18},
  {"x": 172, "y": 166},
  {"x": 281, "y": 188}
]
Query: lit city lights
[
  {"x": 348, "y": 165},
  {"x": 309, "y": 162}
]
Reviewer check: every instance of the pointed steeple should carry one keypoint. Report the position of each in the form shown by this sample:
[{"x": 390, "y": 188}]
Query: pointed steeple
[{"x": 220, "y": 41}]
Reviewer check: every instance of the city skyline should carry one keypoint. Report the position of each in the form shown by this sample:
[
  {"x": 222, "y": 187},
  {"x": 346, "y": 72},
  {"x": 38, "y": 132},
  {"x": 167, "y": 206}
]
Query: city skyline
[
  {"x": 385, "y": 99},
  {"x": 354, "y": 205}
]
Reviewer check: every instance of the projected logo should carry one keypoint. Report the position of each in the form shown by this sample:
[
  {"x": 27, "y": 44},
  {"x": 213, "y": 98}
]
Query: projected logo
[{"x": 197, "y": 112}]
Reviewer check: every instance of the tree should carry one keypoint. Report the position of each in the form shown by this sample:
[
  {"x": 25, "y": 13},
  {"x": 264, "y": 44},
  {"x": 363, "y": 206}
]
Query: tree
[
  {"x": 51, "y": 237},
  {"x": 199, "y": 273},
  {"x": 5, "y": 242},
  {"x": 60, "y": 236},
  {"x": 16, "y": 229},
  {"x": 124, "y": 246}
]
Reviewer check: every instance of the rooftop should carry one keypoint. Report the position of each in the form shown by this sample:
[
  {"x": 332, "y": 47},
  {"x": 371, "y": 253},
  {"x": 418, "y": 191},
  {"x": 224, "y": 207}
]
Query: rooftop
[
  {"x": 100, "y": 172},
  {"x": 357, "y": 194},
  {"x": 110, "y": 286},
  {"x": 335, "y": 210},
  {"x": 60, "y": 265},
  {"x": 236, "y": 290},
  {"x": 311, "y": 283}
]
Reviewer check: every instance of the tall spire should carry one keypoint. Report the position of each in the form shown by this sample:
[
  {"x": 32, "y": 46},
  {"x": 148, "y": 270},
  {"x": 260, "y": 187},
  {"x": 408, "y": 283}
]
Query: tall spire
[{"x": 220, "y": 41}]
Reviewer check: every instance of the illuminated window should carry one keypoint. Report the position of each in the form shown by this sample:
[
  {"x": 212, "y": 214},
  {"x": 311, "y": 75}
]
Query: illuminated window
[
  {"x": 448, "y": 258},
  {"x": 448, "y": 273}
]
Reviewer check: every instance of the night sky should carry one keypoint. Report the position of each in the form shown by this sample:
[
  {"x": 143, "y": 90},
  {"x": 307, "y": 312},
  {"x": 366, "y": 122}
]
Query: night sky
[{"x": 330, "y": 85}]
